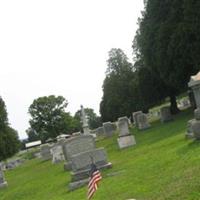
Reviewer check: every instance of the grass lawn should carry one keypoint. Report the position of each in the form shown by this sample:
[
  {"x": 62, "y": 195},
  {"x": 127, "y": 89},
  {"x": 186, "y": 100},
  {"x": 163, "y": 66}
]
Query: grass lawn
[{"x": 162, "y": 166}]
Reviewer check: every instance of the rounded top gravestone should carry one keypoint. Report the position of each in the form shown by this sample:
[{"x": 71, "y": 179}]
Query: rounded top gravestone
[
  {"x": 165, "y": 114},
  {"x": 123, "y": 126},
  {"x": 77, "y": 145}
]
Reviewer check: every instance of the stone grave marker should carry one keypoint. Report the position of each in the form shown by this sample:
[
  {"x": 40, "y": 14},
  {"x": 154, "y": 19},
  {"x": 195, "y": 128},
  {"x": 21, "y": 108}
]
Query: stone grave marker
[
  {"x": 135, "y": 119},
  {"x": 100, "y": 131},
  {"x": 3, "y": 183},
  {"x": 109, "y": 129},
  {"x": 194, "y": 124},
  {"x": 77, "y": 145},
  {"x": 57, "y": 154},
  {"x": 194, "y": 84},
  {"x": 165, "y": 114},
  {"x": 11, "y": 164},
  {"x": 125, "y": 139},
  {"x": 45, "y": 152},
  {"x": 80, "y": 152},
  {"x": 143, "y": 122},
  {"x": 189, "y": 133}
]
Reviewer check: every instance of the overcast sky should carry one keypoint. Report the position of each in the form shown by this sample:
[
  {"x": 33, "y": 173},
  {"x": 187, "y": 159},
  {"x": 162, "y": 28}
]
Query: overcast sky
[{"x": 60, "y": 47}]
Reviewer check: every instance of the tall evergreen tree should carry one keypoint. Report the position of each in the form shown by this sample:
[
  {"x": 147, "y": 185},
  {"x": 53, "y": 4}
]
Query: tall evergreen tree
[
  {"x": 118, "y": 87},
  {"x": 167, "y": 42}
]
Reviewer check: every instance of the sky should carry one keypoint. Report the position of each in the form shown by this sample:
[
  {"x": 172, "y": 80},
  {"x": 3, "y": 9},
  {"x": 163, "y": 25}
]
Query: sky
[{"x": 60, "y": 47}]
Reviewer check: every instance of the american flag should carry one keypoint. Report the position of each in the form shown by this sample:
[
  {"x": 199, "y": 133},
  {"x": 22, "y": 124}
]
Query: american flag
[{"x": 95, "y": 177}]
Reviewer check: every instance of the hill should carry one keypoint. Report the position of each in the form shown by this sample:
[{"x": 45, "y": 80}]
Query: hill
[{"x": 162, "y": 166}]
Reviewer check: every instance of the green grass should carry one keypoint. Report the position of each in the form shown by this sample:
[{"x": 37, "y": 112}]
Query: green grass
[{"x": 162, "y": 166}]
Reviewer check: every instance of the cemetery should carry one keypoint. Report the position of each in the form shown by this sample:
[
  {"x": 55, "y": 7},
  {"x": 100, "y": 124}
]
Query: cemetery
[
  {"x": 158, "y": 165},
  {"x": 137, "y": 137}
]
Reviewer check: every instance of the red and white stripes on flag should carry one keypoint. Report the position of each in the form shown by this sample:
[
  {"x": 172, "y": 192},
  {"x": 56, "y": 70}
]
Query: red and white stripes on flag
[{"x": 95, "y": 177}]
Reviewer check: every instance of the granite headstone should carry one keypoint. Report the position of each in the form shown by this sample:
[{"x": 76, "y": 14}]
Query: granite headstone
[{"x": 125, "y": 139}]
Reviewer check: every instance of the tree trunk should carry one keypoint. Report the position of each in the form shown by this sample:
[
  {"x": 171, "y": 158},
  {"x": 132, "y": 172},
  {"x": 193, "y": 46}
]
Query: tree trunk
[{"x": 173, "y": 107}]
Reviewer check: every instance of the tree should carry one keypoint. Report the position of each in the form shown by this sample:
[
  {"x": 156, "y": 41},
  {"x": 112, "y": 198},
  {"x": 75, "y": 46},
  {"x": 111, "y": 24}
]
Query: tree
[
  {"x": 48, "y": 118},
  {"x": 3, "y": 115},
  {"x": 150, "y": 89},
  {"x": 9, "y": 142},
  {"x": 167, "y": 43},
  {"x": 119, "y": 91}
]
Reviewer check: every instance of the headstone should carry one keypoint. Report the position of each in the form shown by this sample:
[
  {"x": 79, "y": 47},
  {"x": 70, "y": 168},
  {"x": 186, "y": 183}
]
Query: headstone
[
  {"x": 194, "y": 84},
  {"x": 189, "y": 133},
  {"x": 82, "y": 161},
  {"x": 135, "y": 119},
  {"x": 123, "y": 126},
  {"x": 123, "y": 119},
  {"x": 196, "y": 124},
  {"x": 45, "y": 152},
  {"x": 77, "y": 145},
  {"x": 109, "y": 129},
  {"x": 11, "y": 164},
  {"x": 80, "y": 152},
  {"x": 125, "y": 139},
  {"x": 3, "y": 183},
  {"x": 86, "y": 129},
  {"x": 57, "y": 154},
  {"x": 2, "y": 166},
  {"x": 100, "y": 131},
  {"x": 142, "y": 122},
  {"x": 165, "y": 114},
  {"x": 114, "y": 125}
]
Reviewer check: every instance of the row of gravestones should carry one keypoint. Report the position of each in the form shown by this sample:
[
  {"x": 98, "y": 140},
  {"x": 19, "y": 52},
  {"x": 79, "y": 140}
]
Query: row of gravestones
[
  {"x": 125, "y": 139},
  {"x": 79, "y": 151},
  {"x": 140, "y": 120},
  {"x": 7, "y": 166},
  {"x": 11, "y": 164},
  {"x": 107, "y": 130}
]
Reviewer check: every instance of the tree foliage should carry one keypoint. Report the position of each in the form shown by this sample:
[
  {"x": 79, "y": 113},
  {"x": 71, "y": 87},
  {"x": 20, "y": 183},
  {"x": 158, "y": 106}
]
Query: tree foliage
[
  {"x": 119, "y": 89},
  {"x": 49, "y": 118},
  {"x": 9, "y": 142},
  {"x": 167, "y": 43}
]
